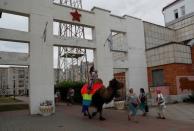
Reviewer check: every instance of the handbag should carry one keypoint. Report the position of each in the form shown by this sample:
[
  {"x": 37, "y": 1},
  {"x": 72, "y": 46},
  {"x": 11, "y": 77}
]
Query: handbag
[
  {"x": 146, "y": 108},
  {"x": 134, "y": 104},
  {"x": 161, "y": 100}
]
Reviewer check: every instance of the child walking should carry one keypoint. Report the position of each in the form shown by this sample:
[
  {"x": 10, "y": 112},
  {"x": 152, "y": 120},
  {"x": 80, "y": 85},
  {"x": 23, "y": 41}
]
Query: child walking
[{"x": 161, "y": 104}]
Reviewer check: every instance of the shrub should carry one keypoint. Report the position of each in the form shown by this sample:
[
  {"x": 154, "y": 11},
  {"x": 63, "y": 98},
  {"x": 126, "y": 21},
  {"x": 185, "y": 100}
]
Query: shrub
[
  {"x": 64, "y": 86},
  {"x": 190, "y": 98}
]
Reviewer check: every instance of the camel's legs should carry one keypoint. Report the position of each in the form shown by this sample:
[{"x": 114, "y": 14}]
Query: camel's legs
[
  {"x": 100, "y": 113},
  {"x": 94, "y": 113}
]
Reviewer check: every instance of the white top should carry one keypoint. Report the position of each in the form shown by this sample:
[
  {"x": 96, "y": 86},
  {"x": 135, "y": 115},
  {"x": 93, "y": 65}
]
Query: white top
[{"x": 160, "y": 99}]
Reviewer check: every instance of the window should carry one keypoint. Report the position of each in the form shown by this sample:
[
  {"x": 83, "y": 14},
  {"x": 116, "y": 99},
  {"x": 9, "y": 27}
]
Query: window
[
  {"x": 21, "y": 83},
  {"x": 21, "y": 76},
  {"x": 72, "y": 30},
  {"x": 158, "y": 77},
  {"x": 10, "y": 46},
  {"x": 14, "y": 22},
  {"x": 183, "y": 10},
  {"x": 176, "y": 15},
  {"x": 21, "y": 92}
]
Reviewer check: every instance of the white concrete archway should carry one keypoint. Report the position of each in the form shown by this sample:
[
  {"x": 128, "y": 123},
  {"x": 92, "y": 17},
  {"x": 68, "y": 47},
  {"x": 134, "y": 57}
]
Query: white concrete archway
[{"x": 42, "y": 13}]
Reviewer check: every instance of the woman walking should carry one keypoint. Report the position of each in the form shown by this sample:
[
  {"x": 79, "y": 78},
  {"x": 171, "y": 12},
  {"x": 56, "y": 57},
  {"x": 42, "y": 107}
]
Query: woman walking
[
  {"x": 133, "y": 102},
  {"x": 143, "y": 99}
]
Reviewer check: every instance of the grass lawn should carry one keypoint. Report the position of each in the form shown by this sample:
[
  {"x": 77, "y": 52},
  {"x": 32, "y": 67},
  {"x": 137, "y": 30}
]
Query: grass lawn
[
  {"x": 13, "y": 107},
  {"x": 8, "y": 100},
  {"x": 9, "y": 104}
]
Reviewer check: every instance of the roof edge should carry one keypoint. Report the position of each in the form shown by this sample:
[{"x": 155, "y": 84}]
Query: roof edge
[
  {"x": 100, "y": 9},
  {"x": 170, "y": 4}
]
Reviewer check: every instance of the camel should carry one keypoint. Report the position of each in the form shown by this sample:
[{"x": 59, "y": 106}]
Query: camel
[{"x": 98, "y": 96}]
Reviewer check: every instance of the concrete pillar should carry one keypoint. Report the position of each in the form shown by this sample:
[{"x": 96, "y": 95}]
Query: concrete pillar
[
  {"x": 102, "y": 54},
  {"x": 41, "y": 62},
  {"x": 137, "y": 71}
]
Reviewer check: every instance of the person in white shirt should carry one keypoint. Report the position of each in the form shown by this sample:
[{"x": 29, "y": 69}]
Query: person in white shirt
[
  {"x": 161, "y": 104},
  {"x": 70, "y": 95}
]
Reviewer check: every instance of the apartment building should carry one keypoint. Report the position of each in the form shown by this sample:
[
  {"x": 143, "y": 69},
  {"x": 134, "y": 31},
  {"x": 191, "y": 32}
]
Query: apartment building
[{"x": 14, "y": 79}]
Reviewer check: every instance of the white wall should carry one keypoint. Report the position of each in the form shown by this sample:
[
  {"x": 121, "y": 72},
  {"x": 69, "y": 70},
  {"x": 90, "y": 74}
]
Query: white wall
[
  {"x": 169, "y": 12},
  {"x": 102, "y": 54},
  {"x": 189, "y": 6},
  {"x": 41, "y": 53},
  {"x": 137, "y": 70},
  {"x": 13, "y": 58}
]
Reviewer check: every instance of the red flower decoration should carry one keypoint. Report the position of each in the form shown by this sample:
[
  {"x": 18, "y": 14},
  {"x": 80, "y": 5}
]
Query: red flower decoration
[{"x": 76, "y": 16}]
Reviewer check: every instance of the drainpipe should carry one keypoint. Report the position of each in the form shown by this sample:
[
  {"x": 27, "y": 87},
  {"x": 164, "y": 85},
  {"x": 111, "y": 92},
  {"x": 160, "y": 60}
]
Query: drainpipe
[
  {"x": 1, "y": 12},
  {"x": 191, "y": 44}
]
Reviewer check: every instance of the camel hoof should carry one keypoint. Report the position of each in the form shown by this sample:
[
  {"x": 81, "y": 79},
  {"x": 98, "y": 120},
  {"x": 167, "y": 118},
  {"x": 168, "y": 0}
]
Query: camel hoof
[
  {"x": 94, "y": 114},
  {"x": 85, "y": 114},
  {"x": 102, "y": 118}
]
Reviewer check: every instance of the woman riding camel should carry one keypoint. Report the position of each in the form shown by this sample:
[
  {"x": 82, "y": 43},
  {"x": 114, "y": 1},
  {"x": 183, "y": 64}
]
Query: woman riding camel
[{"x": 93, "y": 77}]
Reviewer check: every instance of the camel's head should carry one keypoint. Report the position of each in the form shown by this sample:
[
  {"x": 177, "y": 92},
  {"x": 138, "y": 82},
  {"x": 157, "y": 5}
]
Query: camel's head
[{"x": 115, "y": 85}]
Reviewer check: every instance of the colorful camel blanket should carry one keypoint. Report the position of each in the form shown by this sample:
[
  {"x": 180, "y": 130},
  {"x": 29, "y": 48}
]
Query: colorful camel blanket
[{"x": 87, "y": 95}]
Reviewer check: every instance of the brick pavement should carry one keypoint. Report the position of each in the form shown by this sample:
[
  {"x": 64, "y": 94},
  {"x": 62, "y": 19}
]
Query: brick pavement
[{"x": 69, "y": 118}]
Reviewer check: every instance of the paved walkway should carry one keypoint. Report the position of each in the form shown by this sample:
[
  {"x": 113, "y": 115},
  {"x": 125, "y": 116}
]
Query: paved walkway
[
  {"x": 68, "y": 118},
  {"x": 182, "y": 112}
]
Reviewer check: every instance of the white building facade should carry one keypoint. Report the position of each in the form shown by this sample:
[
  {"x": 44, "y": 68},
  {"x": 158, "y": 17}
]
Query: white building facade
[
  {"x": 179, "y": 9},
  {"x": 41, "y": 40}
]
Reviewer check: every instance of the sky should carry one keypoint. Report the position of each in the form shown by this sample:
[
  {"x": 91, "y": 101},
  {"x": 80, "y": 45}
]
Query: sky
[
  {"x": 147, "y": 10},
  {"x": 20, "y": 23}
]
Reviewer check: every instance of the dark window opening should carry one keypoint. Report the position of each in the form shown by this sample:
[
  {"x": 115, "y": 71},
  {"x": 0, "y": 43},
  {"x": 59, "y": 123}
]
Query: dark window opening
[
  {"x": 176, "y": 15},
  {"x": 158, "y": 77}
]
